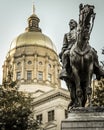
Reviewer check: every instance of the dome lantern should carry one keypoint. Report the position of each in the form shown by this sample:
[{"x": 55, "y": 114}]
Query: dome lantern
[{"x": 33, "y": 22}]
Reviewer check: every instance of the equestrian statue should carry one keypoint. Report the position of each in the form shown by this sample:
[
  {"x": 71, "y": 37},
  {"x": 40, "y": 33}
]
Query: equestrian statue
[{"x": 79, "y": 59}]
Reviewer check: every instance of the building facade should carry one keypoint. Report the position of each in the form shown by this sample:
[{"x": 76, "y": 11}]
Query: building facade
[{"x": 33, "y": 61}]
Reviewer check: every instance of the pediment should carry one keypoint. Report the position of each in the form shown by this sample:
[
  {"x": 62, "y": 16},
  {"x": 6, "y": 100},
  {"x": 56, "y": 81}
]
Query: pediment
[
  {"x": 51, "y": 126},
  {"x": 37, "y": 93}
]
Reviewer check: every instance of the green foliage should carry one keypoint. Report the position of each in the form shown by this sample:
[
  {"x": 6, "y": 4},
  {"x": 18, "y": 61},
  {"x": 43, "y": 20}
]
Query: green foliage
[
  {"x": 15, "y": 110},
  {"x": 99, "y": 94}
]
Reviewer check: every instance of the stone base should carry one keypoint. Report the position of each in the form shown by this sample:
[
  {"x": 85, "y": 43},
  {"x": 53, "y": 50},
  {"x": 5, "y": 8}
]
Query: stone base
[{"x": 91, "y": 118}]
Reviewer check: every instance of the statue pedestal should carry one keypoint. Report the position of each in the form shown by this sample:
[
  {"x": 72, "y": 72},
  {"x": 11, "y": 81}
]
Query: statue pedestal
[{"x": 91, "y": 118}]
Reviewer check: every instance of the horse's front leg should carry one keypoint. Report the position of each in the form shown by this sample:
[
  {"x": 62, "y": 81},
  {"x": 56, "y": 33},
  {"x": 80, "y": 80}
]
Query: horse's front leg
[
  {"x": 72, "y": 90},
  {"x": 79, "y": 92},
  {"x": 88, "y": 84}
]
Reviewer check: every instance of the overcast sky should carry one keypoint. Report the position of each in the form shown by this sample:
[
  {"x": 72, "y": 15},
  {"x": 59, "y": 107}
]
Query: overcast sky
[{"x": 54, "y": 18}]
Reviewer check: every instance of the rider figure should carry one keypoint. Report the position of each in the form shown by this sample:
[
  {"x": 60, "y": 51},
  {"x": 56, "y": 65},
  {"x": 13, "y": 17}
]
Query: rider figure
[{"x": 68, "y": 41}]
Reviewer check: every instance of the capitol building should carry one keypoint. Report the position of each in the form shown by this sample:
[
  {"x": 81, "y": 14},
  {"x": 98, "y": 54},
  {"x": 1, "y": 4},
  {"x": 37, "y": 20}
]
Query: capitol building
[{"x": 33, "y": 61}]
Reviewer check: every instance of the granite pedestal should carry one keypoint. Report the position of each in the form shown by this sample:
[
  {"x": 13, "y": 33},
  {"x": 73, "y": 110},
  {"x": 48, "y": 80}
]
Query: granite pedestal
[{"x": 84, "y": 119}]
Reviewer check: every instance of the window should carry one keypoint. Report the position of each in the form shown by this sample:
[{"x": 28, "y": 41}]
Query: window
[
  {"x": 49, "y": 77},
  {"x": 30, "y": 23},
  {"x": 39, "y": 118},
  {"x": 49, "y": 65},
  {"x": 51, "y": 115},
  {"x": 29, "y": 75},
  {"x": 18, "y": 75},
  {"x": 19, "y": 63},
  {"x": 29, "y": 62},
  {"x": 40, "y": 63},
  {"x": 33, "y": 23},
  {"x": 40, "y": 75}
]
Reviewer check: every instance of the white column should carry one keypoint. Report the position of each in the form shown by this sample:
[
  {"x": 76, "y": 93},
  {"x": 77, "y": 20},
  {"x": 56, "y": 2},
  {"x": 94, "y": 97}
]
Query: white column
[
  {"x": 35, "y": 67},
  {"x": 23, "y": 69},
  {"x": 55, "y": 75},
  {"x": 46, "y": 70}
]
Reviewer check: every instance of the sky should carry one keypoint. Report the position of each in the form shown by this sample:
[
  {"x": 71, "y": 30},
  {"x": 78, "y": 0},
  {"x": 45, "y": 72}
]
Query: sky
[{"x": 54, "y": 18}]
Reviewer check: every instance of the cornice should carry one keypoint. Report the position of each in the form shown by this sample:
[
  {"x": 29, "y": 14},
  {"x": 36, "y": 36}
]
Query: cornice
[
  {"x": 51, "y": 95},
  {"x": 30, "y": 45}
]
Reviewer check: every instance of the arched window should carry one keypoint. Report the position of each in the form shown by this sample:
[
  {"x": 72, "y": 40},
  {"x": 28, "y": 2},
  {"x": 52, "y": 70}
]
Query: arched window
[
  {"x": 49, "y": 77},
  {"x": 40, "y": 75},
  {"x": 18, "y": 76},
  {"x": 29, "y": 75}
]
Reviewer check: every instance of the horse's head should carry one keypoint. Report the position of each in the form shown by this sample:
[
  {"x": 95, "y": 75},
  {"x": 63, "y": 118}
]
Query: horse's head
[
  {"x": 86, "y": 15},
  {"x": 86, "y": 21}
]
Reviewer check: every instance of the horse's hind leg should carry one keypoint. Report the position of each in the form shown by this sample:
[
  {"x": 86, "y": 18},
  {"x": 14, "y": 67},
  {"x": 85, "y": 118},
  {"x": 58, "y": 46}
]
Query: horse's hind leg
[
  {"x": 88, "y": 84},
  {"x": 84, "y": 94}
]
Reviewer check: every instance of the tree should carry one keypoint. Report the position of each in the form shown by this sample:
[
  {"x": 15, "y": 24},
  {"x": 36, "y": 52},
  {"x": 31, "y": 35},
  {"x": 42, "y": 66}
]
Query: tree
[
  {"x": 15, "y": 109},
  {"x": 99, "y": 94},
  {"x": 99, "y": 90}
]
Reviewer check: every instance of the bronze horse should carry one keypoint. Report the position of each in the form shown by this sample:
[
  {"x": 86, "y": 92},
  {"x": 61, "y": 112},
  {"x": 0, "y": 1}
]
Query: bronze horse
[{"x": 82, "y": 59}]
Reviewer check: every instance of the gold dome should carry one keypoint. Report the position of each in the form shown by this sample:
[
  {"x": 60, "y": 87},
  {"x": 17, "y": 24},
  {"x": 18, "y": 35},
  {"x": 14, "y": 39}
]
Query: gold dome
[
  {"x": 32, "y": 58},
  {"x": 33, "y": 38},
  {"x": 33, "y": 35}
]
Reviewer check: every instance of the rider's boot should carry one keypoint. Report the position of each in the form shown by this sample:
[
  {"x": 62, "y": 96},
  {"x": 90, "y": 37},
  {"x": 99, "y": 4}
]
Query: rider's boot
[{"x": 64, "y": 74}]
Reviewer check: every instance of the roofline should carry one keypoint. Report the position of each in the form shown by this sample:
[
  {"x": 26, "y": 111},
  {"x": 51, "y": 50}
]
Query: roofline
[{"x": 51, "y": 95}]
